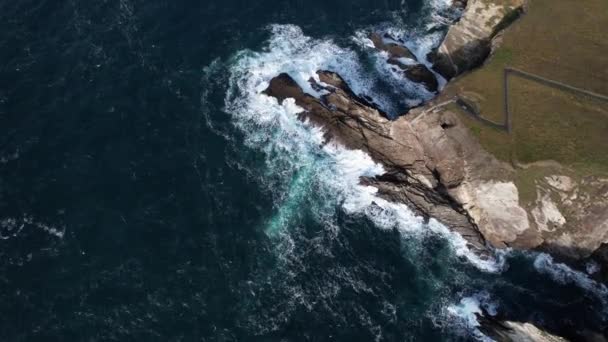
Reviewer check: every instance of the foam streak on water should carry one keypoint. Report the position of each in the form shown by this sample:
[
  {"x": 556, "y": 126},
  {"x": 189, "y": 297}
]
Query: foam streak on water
[
  {"x": 11, "y": 227},
  {"x": 419, "y": 39},
  {"x": 463, "y": 315},
  {"x": 563, "y": 274}
]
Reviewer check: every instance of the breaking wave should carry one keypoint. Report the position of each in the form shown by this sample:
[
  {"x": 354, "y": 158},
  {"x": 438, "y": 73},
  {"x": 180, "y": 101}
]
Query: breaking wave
[
  {"x": 463, "y": 316},
  {"x": 420, "y": 38},
  {"x": 295, "y": 149},
  {"x": 561, "y": 273},
  {"x": 307, "y": 176}
]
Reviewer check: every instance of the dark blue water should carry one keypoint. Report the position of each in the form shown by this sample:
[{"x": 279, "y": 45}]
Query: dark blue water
[{"x": 147, "y": 193}]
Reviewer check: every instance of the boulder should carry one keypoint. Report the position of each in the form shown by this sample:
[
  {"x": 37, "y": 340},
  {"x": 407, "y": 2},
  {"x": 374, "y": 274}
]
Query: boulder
[
  {"x": 393, "y": 49},
  {"x": 398, "y": 56},
  {"x": 417, "y": 73}
]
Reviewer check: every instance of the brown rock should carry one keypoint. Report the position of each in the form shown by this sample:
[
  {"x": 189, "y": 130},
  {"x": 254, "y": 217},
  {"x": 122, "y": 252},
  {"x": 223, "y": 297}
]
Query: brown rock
[
  {"x": 459, "y": 4},
  {"x": 469, "y": 42},
  {"x": 417, "y": 73},
  {"x": 282, "y": 87},
  {"x": 393, "y": 49},
  {"x": 412, "y": 177},
  {"x": 510, "y": 331}
]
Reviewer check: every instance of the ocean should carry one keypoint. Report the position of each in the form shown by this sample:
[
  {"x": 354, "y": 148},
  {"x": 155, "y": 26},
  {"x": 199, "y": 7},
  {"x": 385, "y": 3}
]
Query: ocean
[{"x": 150, "y": 192}]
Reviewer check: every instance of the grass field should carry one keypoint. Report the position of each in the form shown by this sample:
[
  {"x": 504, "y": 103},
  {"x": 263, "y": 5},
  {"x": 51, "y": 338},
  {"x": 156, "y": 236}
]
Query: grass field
[{"x": 562, "y": 40}]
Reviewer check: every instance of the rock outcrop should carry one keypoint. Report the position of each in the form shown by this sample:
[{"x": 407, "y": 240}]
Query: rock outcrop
[
  {"x": 571, "y": 215},
  {"x": 391, "y": 45},
  {"x": 563, "y": 213},
  {"x": 439, "y": 169},
  {"x": 568, "y": 217},
  {"x": 405, "y": 61},
  {"x": 469, "y": 174},
  {"x": 417, "y": 73},
  {"x": 417, "y": 175},
  {"x": 469, "y": 42},
  {"x": 509, "y": 331}
]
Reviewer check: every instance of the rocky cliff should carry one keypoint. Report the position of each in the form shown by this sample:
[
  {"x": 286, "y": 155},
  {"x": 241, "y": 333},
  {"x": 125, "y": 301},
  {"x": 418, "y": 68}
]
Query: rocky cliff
[
  {"x": 417, "y": 175},
  {"x": 509, "y": 331},
  {"x": 438, "y": 168},
  {"x": 469, "y": 42},
  {"x": 563, "y": 213},
  {"x": 568, "y": 216}
]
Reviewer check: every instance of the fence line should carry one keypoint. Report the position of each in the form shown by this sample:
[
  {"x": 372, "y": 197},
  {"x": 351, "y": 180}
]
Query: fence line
[{"x": 508, "y": 121}]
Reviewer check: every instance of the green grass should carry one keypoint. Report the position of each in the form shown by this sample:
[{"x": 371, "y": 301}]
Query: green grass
[
  {"x": 549, "y": 124},
  {"x": 503, "y": 56},
  {"x": 561, "y": 40},
  {"x": 526, "y": 182},
  {"x": 476, "y": 130}
]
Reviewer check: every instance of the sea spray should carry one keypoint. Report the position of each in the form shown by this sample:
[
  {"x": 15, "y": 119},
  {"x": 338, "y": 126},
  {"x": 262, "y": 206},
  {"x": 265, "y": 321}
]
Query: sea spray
[
  {"x": 421, "y": 39},
  {"x": 296, "y": 150},
  {"x": 320, "y": 178},
  {"x": 408, "y": 92},
  {"x": 463, "y": 316},
  {"x": 561, "y": 273}
]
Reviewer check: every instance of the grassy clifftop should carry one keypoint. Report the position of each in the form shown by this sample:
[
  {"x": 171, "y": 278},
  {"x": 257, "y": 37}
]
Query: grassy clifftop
[{"x": 561, "y": 40}]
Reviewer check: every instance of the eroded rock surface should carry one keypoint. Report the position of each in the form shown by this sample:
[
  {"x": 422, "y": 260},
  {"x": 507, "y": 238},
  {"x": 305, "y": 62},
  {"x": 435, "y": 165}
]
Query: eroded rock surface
[
  {"x": 469, "y": 42},
  {"x": 406, "y": 62},
  {"x": 436, "y": 166},
  {"x": 509, "y": 331},
  {"x": 438, "y": 169},
  {"x": 415, "y": 175},
  {"x": 389, "y": 44},
  {"x": 571, "y": 214},
  {"x": 568, "y": 216},
  {"x": 417, "y": 73}
]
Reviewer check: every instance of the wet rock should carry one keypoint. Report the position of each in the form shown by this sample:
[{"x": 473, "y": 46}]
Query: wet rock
[
  {"x": 405, "y": 60},
  {"x": 509, "y": 331},
  {"x": 393, "y": 49},
  {"x": 414, "y": 176},
  {"x": 283, "y": 87},
  {"x": 417, "y": 73},
  {"x": 459, "y": 4}
]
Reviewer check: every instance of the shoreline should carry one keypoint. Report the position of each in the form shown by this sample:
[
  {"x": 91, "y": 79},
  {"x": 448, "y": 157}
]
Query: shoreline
[
  {"x": 428, "y": 174},
  {"x": 434, "y": 162}
]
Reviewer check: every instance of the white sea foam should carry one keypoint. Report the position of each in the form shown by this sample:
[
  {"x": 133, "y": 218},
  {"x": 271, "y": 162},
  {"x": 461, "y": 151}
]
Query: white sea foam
[
  {"x": 592, "y": 267},
  {"x": 9, "y": 157},
  {"x": 464, "y": 316},
  {"x": 419, "y": 41},
  {"x": 440, "y": 4},
  {"x": 294, "y": 149},
  {"x": 11, "y": 227},
  {"x": 563, "y": 274},
  {"x": 414, "y": 93}
]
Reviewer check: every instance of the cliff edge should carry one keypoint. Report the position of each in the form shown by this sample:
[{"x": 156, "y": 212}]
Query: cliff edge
[{"x": 440, "y": 168}]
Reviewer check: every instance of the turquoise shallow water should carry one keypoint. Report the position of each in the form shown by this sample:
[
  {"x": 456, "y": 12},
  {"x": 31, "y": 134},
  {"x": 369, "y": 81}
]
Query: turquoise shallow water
[{"x": 148, "y": 192}]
